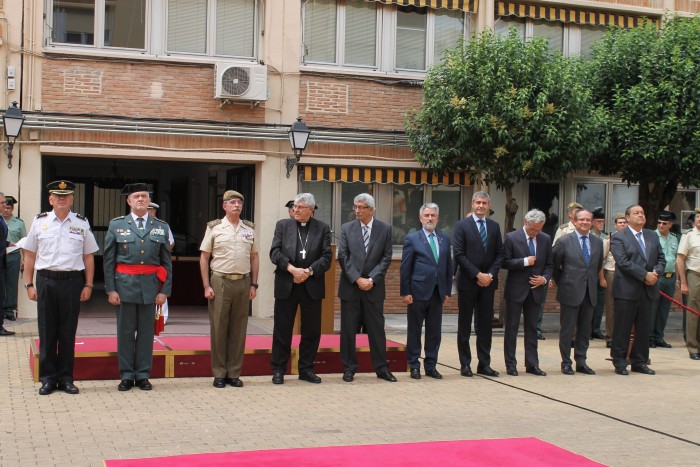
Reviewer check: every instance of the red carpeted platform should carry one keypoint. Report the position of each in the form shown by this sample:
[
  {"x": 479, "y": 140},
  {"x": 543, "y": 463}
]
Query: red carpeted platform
[
  {"x": 516, "y": 452},
  {"x": 190, "y": 356}
]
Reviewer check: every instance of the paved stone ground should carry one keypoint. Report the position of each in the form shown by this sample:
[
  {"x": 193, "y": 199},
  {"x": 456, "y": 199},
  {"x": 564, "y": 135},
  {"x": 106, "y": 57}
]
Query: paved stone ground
[{"x": 636, "y": 420}]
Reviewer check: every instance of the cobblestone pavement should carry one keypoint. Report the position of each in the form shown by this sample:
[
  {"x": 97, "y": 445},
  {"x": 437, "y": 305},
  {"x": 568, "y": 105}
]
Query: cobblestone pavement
[{"x": 636, "y": 420}]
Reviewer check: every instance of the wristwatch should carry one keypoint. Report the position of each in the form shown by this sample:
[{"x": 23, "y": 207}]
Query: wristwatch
[
  {"x": 254, "y": 285},
  {"x": 311, "y": 272},
  {"x": 29, "y": 286}
]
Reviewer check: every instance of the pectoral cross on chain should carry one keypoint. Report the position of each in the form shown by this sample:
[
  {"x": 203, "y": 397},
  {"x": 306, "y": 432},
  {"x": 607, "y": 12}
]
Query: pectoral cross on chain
[{"x": 303, "y": 253}]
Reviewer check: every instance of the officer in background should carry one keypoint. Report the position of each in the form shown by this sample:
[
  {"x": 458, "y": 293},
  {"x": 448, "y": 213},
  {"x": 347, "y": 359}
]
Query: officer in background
[
  {"x": 15, "y": 231},
  {"x": 171, "y": 240},
  {"x": 229, "y": 266},
  {"x": 61, "y": 247},
  {"x": 3, "y": 246},
  {"x": 138, "y": 276}
]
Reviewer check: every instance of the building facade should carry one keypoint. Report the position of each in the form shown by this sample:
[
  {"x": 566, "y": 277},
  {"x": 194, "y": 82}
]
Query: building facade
[{"x": 196, "y": 96}]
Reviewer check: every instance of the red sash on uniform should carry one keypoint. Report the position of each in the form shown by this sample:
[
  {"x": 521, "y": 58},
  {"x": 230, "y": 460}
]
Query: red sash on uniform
[{"x": 159, "y": 271}]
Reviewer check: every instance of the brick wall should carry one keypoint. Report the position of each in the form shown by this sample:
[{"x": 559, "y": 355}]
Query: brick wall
[
  {"x": 138, "y": 89},
  {"x": 355, "y": 103}
]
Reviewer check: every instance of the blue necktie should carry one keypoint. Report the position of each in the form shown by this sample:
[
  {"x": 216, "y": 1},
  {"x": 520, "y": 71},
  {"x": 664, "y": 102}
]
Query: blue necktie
[
  {"x": 641, "y": 244},
  {"x": 531, "y": 246},
  {"x": 482, "y": 232},
  {"x": 586, "y": 253}
]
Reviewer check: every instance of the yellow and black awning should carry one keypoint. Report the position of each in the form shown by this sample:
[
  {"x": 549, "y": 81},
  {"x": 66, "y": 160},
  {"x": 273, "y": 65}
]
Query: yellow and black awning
[
  {"x": 470, "y": 6},
  {"x": 313, "y": 173},
  {"x": 569, "y": 15}
]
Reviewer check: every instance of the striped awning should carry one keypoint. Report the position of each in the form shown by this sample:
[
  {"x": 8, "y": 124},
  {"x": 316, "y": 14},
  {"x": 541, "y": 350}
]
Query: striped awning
[
  {"x": 569, "y": 15},
  {"x": 470, "y": 6},
  {"x": 312, "y": 173}
]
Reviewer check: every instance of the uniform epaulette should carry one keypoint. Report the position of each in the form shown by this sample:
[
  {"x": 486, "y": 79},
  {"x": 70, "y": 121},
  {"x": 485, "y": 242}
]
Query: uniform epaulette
[
  {"x": 563, "y": 226},
  {"x": 118, "y": 218},
  {"x": 249, "y": 224},
  {"x": 80, "y": 216},
  {"x": 43, "y": 214},
  {"x": 214, "y": 223}
]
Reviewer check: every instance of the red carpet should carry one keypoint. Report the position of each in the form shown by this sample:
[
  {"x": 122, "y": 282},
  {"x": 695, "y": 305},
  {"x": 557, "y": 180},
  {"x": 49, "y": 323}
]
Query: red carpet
[{"x": 515, "y": 452}]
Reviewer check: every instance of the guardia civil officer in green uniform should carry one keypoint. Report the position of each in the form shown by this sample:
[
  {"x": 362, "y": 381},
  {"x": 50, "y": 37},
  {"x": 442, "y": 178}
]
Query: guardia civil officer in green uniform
[
  {"x": 60, "y": 246},
  {"x": 15, "y": 231},
  {"x": 229, "y": 266},
  {"x": 138, "y": 276}
]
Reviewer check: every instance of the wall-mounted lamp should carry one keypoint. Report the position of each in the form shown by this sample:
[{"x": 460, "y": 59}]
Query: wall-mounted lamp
[
  {"x": 12, "y": 121},
  {"x": 298, "y": 137}
]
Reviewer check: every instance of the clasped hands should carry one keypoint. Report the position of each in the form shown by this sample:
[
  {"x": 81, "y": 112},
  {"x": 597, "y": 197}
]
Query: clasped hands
[{"x": 299, "y": 274}]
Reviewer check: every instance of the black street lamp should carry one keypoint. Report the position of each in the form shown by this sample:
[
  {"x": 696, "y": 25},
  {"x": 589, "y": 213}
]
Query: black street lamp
[
  {"x": 298, "y": 137},
  {"x": 12, "y": 121}
]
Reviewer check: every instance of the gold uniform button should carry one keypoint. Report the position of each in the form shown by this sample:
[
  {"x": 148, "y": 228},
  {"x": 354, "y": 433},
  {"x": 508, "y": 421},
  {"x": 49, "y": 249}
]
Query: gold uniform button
[
  {"x": 142, "y": 240},
  {"x": 141, "y": 251},
  {"x": 141, "y": 262}
]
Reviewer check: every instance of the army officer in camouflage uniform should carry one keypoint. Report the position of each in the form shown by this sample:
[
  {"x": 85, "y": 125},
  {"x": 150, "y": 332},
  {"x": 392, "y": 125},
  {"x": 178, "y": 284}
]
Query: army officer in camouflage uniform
[{"x": 138, "y": 276}]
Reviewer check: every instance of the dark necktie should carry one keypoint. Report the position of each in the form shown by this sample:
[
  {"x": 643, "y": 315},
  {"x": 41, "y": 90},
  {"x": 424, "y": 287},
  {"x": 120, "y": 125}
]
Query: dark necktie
[
  {"x": 433, "y": 246},
  {"x": 482, "y": 232},
  {"x": 531, "y": 246},
  {"x": 139, "y": 222},
  {"x": 365, "y": 236},
  {"x": 641, "y": 244},
  {"x": 586, "y": 253}
]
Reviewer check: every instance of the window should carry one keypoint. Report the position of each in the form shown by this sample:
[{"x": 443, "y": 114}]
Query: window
[
  {"x": 545, "y": 197},
  {"x": 323, "y": 193},
  {"x": 349, "y": 32},
  {"x": 448, "y": 198},
  {"x": 505, "y": 23},
  {"x": 553, "y": 31},
  {"x": 225, "y": 28},
  {"x": 589, "y": 35}
]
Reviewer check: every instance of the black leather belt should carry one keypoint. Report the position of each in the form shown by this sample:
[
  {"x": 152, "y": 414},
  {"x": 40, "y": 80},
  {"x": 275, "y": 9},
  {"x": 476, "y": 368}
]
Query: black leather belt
[{"x": 59, "y": 274}]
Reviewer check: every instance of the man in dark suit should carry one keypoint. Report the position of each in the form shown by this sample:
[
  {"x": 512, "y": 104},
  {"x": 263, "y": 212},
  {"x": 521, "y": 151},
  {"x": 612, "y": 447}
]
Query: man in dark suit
[
  {"x": 578, "y": 265},
  {"x": 3, "y": 247},
  {"x": 426, "y": 282},
  {"x": 301, "y": 252},
  {"x": 364, "y": 255},
  {"x": 478, "y": 250},
  {"x": 639, "y": 261},
  {"x": 527, "y": 254}
]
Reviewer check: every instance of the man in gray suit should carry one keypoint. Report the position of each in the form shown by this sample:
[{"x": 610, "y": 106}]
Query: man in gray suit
[
  {"x": 639, "y": 261},
  {"x": 364, "y": 254},
  {"x": 578, "y": 264}
]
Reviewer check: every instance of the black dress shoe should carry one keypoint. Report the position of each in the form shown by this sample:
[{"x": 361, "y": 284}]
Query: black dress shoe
[
  {"x": 5, "y": 332},
  {"x": 68, "y": 388},
  {"x": 144, "y": 385},
  {"x": 643, "y": 369},
  {"x": 664, "y": 344},
  {"x": 511, "y": 371},
  {"x": 415, "y": 373},
  {"x": 47, "y": 388},
  {"x": 235, "y": 382},
  {"x": 597, "y": 335},
  {"x": 349, "y": 376},
  {"x": 695, "y": 356},
  {"x": 608, "y": 345},
  {"x": 541, "y": 337},
  {"x": 566, "y": 369},
  {"x": 535, "y": 370},
  {"x": 11, "y": 316},
  {"x": 466, "y": 371},
  {"x": 387, "y": 376},
  {"x": 219, "y": 383},
  {"x": 621, "y": 371},
  {"x": 277, "y": 377},
  {"x": 486, "y": 370},
  {"x": 652, "y": 344},
  {"x": 125, "y": 385},
  {"x": 585, "y": 369},
  {"x": 310, "y": 377},
  {"x": 433, "y": 373}
]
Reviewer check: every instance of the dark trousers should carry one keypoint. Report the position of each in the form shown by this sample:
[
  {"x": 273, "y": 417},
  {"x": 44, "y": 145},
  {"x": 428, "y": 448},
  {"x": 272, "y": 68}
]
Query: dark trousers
[
  {"x": 598, "y": 311},
  {"x": 285, "y": 313},
  {"x": 58, "y": 306},
  {"x": 540, "y": 310},
  {"x": 661, "y": 308},
  {"x": 371, "y": 313},
  {"x": 578, "y": 318},
  {"x": 477, "y": 302},
  {"x": 135, "y": 339},
  {"x": 630, "y": 313},
  {"x": 11, "y": 282},
  {"x": 530, "y": 310},
  {"x": 430, "y": 312}
]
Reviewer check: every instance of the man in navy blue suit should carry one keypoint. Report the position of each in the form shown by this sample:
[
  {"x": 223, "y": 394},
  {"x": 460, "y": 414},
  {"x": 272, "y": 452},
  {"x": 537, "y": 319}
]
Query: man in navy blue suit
[
  {"x": 426, "y": 282},
  {"x": 529, "y": 261},
  {"x": 478, "y": 249}
]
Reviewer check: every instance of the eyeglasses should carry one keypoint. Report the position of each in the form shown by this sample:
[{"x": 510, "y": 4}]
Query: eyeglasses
[
  {"x": 359, "y": 208},
  {"x": 296, "y": 206}
]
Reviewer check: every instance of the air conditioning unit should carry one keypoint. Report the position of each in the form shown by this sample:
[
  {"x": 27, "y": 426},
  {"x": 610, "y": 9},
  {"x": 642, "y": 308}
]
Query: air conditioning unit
[{"x": 241, "y": 82}]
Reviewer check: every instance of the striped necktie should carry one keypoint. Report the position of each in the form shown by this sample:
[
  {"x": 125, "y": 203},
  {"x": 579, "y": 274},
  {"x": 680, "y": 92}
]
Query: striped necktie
[
  {"x": 365, "y": 236},
  {"x": 482, "y": 232},
  {"x": 586, "y": 253}
]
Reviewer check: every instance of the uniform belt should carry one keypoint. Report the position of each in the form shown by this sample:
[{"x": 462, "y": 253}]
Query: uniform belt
[
  {"x": 231, "y": 277},
  {"x": 669, "y": 275},
  {"x": 59, "y": 274}
]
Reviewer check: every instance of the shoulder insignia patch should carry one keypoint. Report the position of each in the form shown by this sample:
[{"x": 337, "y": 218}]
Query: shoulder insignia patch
[
  {"x": 249, "y": 224},
  {"x": 214, "y": 223},
  {"x": 118, "y": 218},
  {"x": 43, "y": 214},
  {"x": 80, "y": 216}
]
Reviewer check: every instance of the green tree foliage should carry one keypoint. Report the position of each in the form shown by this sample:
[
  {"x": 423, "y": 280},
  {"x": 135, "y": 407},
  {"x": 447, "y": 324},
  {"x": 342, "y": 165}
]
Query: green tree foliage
[
  {"x": 648, "y": 80},
  {"x": 506, "y": 110}
]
